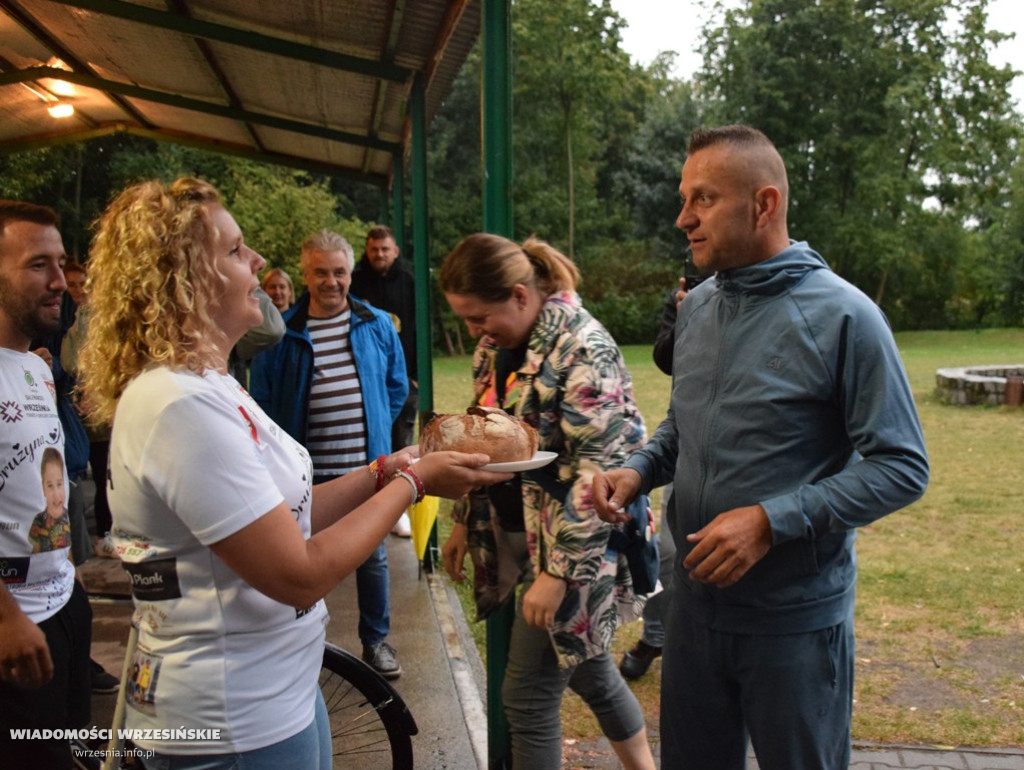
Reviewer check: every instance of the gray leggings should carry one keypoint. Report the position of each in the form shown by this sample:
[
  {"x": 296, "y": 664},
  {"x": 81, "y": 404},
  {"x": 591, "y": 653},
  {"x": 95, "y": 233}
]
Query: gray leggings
[{"x": 533, "y": 688}]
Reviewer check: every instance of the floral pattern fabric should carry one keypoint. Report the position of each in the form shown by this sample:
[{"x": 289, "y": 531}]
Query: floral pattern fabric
[{"x": 574, "y": 388}]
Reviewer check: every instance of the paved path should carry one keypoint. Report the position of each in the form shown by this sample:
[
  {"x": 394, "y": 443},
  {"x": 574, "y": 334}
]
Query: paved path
[{"x": 597, "y": 755}]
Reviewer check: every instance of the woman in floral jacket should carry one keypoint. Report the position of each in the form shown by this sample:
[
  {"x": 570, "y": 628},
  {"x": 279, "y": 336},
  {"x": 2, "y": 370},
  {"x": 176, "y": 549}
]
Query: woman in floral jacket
[{"x": 544, "y": 358}]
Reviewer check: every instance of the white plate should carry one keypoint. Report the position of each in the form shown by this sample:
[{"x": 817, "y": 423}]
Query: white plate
[{"x": 539, "y": 460}]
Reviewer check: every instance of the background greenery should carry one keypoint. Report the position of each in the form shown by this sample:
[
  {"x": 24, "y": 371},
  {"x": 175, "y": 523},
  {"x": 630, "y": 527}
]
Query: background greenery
[
  {"x": 940, "y": 622},
  {"x": 900, "y": 137}
]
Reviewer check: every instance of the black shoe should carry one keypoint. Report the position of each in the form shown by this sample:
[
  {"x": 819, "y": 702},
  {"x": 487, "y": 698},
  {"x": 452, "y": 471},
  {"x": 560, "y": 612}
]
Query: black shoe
[
  {"x": 382, "y": 657},
  {"x": 102, "y": 682},
  {"x": 636, "y": 662}
]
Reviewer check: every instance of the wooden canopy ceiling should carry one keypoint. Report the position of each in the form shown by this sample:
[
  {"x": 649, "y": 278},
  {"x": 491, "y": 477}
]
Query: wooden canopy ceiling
[{"x": 315, "y": 84}]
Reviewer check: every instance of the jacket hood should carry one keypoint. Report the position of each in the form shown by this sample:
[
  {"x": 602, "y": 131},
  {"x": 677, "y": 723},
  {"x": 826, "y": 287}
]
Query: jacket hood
[{"x": 775, "y": 275}]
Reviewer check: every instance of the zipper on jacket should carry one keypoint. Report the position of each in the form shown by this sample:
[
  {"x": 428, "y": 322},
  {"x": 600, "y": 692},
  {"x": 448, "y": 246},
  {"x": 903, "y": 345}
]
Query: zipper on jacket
[{"x": 703, "y": 517}]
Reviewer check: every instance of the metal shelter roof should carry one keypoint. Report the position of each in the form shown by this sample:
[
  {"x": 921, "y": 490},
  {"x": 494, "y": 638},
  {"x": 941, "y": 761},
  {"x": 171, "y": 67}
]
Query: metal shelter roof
[{"x": 315, "y": 84}]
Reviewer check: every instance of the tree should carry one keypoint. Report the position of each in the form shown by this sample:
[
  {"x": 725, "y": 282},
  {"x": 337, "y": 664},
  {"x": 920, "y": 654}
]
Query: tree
[
  {"x": 454, "y": 165},
  {"x": 276, "y": 207},
  {"x": 872, "y": 104},
  {"x": 649, "y": 182},
  {"x": 999, "y": 271},
  {"x": 571, "y": 79},
  {"x": 75, "y": 180}
]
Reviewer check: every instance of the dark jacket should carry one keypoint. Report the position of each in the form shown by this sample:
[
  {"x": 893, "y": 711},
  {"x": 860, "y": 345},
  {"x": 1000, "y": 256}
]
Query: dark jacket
[
  {"x": 281, "y": 378},
  {"x": 666, "y": 339},
  {"x": 395, "y": 293},
  {"x": 76, "y": 440},
  {"x": 256, "y": 340}
]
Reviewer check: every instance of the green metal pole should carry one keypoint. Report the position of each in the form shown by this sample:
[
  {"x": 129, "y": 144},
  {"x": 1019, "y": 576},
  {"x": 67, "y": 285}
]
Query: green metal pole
[
  {"x": 497, "y": 152},
  {"x": 421, "y": 272},
  {"x": 497, "y": 116},
  {"x": 398, "y": 199}
]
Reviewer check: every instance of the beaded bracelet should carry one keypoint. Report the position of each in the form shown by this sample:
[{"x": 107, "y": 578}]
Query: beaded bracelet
[
  {"x": 412, "y": 485},
  {"x": 417, "y": 485},
  {"x": 421, "y": 491}
]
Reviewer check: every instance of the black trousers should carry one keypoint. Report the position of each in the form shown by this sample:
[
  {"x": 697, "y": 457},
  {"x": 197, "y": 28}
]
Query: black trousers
[{"x": 65, "y": 702}]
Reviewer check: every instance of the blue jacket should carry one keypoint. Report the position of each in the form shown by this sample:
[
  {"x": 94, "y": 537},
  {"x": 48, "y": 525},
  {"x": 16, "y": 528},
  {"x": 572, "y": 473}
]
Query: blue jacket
[
  {"x": 76, "y": 439},
  {"x": 281, "y": 377},
  {"x": 788, "y": 391}
]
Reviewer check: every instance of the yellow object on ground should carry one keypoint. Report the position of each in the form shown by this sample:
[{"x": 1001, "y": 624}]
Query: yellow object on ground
[{"x": 422, "y": 515}]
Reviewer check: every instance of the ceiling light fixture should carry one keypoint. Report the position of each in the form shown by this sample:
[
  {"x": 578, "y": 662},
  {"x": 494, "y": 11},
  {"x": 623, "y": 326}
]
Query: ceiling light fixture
[
  {"x": 60, "y": 109},
  {"x": 60, "y": 87}
]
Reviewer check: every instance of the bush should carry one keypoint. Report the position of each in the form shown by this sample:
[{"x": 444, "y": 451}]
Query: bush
[{"x": 625, "y": 287}]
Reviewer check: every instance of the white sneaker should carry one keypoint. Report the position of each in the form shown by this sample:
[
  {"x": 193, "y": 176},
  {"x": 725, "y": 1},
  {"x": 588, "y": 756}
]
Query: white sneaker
[
  {"x": 104, "y": 547},
  {"x": 402, "y": 527}
]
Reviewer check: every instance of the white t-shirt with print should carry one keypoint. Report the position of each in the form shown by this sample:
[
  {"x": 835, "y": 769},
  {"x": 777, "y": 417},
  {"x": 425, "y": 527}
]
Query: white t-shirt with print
[
  {"x": 193, "y": 460},
  {"x": 40, "y": 581}
]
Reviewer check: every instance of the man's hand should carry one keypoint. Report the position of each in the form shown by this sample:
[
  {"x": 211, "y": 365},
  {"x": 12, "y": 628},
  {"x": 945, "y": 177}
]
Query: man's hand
[
  {"x": 542, "y": 601},
  {"x": 24, "y": 655},
  {"x": 453, "y": 553},
  {"x": 680, "y": 292},
  {"x": 613, "y": 491},
  {"x": 729, "y": 546}
]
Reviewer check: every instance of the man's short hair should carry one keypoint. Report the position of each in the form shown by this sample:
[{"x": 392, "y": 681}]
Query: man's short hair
[
  {"x": 734, "y": 134},
  {"x": 71, "y": 266},
  {"x": 771, "y": 168},
  {"x": 379, "y": 233},
  {"x": 20, "y": 211},
  {"x": 328, "y": 240}
]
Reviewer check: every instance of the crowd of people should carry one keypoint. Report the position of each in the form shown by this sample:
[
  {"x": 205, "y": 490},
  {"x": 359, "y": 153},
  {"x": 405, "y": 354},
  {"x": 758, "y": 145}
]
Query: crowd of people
[{"x": 790, "y": 424}]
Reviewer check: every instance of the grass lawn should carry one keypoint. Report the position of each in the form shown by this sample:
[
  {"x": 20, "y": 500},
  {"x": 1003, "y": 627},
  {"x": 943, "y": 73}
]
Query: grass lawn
[{"x": 940, "y": 605}]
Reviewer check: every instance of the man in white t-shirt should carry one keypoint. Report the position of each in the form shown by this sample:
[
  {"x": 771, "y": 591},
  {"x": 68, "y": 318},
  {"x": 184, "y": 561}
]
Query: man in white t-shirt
[
  {"x": 336, "y": 383},
  {"x": 45, "y": 619}
]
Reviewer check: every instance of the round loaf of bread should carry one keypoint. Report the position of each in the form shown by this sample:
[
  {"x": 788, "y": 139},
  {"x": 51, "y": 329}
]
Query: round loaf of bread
[{"x": 493, "y": 432}]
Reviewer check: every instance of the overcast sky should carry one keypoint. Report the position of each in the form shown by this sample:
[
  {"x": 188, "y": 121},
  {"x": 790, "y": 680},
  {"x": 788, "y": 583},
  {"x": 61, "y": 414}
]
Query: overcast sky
[{"x": 663, "y": 25}]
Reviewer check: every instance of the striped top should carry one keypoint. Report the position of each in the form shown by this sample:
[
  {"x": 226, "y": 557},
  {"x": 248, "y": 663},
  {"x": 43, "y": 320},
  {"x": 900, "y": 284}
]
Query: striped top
[{"x": 336, "y": 439}]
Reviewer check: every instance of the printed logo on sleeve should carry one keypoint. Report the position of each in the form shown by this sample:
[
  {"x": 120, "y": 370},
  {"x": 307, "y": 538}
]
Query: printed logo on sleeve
[{"x": 155, "y": 580}]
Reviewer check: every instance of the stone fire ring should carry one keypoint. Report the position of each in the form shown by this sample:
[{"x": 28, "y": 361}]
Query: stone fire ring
[{"x": 976, "y": 384}]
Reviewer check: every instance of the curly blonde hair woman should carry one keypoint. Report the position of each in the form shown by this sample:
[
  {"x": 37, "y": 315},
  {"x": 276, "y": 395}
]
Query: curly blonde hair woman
[
  {"x": 198, "y": 470},
  {"x": 158, "y": 283}
]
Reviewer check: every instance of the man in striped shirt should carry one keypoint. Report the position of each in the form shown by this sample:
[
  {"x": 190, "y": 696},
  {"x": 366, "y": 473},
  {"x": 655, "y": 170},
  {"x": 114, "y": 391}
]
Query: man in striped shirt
[{"x": 336, "y": 382}]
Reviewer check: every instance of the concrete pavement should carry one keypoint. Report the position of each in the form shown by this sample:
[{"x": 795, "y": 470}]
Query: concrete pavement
[{"x": 596, "y": 755}]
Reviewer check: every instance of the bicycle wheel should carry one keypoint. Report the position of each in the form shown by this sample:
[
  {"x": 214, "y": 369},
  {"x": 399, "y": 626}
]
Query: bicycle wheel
[{"x": 369, "y": 720}]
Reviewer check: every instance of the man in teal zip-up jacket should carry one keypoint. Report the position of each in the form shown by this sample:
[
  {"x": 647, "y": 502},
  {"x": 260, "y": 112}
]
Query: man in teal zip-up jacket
[{"x": 791, "y": 424}]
